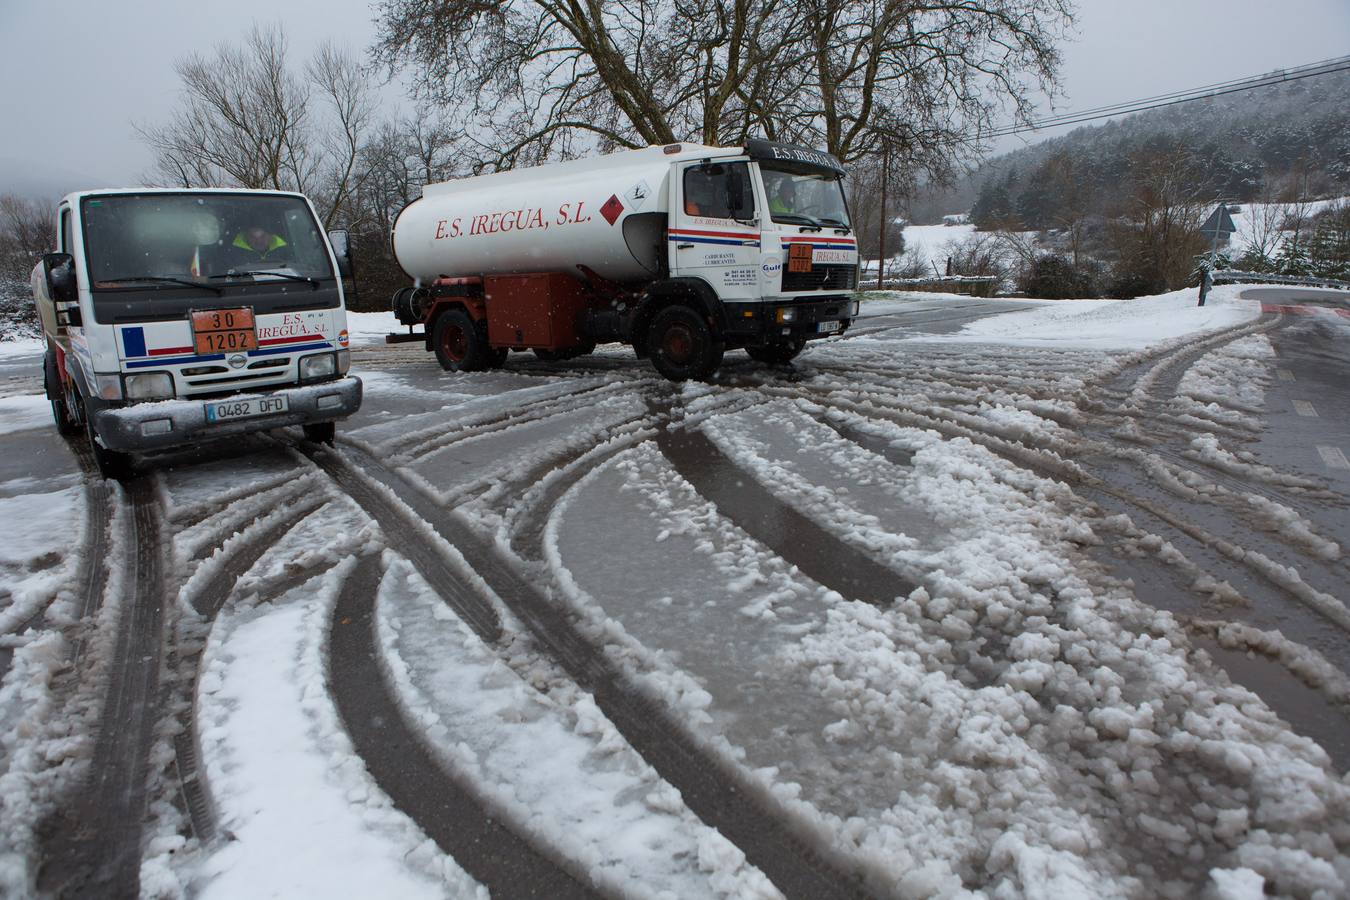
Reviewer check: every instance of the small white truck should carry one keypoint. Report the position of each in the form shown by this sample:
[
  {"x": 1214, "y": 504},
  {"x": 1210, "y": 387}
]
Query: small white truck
[
  {"x": 175, "y": 316},
  {"x": 682, "y": 251}
]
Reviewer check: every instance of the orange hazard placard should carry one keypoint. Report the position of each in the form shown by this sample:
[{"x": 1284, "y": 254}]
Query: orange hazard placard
[
  {"x": 223, "y": 330},
  {"x": 799, "y": 258}
]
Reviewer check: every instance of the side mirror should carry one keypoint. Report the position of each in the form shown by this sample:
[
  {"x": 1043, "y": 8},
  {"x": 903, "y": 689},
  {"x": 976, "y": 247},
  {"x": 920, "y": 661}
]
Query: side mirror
[
  {"x": 341, "y": 241},
  {"x": 59, "y": 270},
  {"x": 735, "y": 190}
]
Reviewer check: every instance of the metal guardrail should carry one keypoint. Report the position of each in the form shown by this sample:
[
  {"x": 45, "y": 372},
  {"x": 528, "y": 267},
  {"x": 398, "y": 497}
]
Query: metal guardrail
[
  {"x": 1234, "y": 275},
  {"x": 972, "y": 285}
]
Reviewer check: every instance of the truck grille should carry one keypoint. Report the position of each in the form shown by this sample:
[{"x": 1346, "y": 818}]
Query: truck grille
[{"x": 822, "y": 278}]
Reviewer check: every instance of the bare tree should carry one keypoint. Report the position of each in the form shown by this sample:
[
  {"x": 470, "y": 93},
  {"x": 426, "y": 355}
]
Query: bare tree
[
  {"x": 1160, "y": 238},
  {"x": 926, "y": 78},
  {"x": 548, "y": 78},
  {"x": 248, "y": 120},
  {"x": 26, "y": 232},
  {"x": 1264, "y": 219},
  {"x": 339, "y": 79}
]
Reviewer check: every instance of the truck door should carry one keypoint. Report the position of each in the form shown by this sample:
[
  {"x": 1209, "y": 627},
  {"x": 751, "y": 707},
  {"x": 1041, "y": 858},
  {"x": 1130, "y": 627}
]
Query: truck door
[{"x": 714, "y": 232}]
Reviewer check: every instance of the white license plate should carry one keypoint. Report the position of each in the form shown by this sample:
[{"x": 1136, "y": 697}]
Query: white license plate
[
  {"x": 828, "y": 327},
  {"x": 245, "y": 407}
]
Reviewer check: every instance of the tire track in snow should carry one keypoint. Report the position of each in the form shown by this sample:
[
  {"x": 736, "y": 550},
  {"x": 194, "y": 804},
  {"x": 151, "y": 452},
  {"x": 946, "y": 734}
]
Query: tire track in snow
[
  {"x": 255, "y": 539},
  {"x": 757, "y": 511},
  {"x": 93, "y": 846},
  {"x": 423, "y": 444},
  {"x": 711, "y": 790},
  {"x": 500, "y": 859},
  {"x": 1145, "y": 368},
  {"x": 91, "y": 578}
]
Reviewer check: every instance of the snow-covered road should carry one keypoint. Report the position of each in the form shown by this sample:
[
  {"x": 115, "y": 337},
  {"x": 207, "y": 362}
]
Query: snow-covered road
[{"x": 961, "y": 604}]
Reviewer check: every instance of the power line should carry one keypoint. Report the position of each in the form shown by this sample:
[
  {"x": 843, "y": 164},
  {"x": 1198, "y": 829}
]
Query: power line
[
  {"x": 1203, "y": 90},
  {"x": 1326, "y": 67}
]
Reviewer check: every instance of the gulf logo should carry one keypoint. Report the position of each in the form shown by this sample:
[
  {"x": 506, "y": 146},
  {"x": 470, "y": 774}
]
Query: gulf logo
[{"x": 343, "y": 338}]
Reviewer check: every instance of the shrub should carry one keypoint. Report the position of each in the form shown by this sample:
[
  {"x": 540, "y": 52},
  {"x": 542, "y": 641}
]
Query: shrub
[{"x": 1056, "y": 278}]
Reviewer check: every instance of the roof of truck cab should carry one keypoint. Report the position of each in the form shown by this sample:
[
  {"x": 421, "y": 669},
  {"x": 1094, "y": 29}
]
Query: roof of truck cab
[
  {"x": 76, "y": 196},
  {"x": 649, "y": 156}
]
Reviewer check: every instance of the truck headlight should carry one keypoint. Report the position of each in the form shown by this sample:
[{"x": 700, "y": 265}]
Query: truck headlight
[
  {"x": 148, "y": 386},
  {"x": 320, "y": 365},
  {"x": 787, "y": 314}
]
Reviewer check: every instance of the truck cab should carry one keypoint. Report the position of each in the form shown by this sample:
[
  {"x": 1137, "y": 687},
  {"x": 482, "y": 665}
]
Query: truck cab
[
  {"x": 769, "y": 231},
  {"x": 178, "y": 316}
]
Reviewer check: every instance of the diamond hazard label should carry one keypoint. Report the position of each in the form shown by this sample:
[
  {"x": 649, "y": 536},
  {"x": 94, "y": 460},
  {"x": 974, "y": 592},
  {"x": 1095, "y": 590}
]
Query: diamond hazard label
[
  {"x": 638, "y": 194},
  {"x": 612, "y": 209}
]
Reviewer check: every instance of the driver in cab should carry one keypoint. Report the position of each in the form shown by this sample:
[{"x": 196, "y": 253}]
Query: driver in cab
[
  {"x": 255, "y": 244},
  {"x": 784, "y": 199}
]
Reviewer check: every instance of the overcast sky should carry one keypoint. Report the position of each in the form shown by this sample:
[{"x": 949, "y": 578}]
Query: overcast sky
[{"x": 76, "y": 76}]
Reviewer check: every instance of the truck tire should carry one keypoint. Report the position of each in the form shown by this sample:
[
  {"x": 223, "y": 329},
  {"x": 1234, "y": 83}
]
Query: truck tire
[
  {"x": 112, "y": 464},
  {"x": 321, "y": 432},
  {"x": 682, "y": 346},
  {"x": 776, "y": 354},
  {"x": 460, "y": 345},
  {"x": 51, "y": 383}
]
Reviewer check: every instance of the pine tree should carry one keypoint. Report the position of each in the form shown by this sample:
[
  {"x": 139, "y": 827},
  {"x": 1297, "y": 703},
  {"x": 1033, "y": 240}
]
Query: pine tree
[
  {"x": 1293, "y": 256},
  {"x": 1329, "y": 249}
]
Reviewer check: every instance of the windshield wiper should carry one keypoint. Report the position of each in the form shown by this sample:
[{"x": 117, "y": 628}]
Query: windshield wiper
[
  {"x": 838, "y": 224},
  {"x": 793, "y": 219},
  {"x": 165, "y": 279},
  {"x": 311, "y": 281}
]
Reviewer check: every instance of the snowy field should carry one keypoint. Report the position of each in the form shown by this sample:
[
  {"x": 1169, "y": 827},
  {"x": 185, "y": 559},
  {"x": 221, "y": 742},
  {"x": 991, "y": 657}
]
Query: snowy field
[{"x": 923, "y": 615}]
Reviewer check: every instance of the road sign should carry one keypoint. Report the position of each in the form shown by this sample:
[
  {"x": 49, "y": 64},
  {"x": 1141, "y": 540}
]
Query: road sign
[{"x": 1219, "y": 223}]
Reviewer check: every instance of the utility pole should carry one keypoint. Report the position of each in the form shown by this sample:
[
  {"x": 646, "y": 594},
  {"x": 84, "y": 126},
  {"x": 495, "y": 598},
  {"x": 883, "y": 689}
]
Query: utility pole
[{"x": 881, "y": 238}]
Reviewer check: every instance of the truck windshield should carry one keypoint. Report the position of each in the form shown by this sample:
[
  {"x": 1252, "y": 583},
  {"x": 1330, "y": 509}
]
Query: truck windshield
[
  {"x": 798, "y": 197},
  {"x": 134, "y": 240}
]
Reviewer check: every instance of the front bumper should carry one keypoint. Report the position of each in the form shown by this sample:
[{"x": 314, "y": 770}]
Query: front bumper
[
  {"x": 125, "y": 427},
  {"x": 755, "y": 324}
]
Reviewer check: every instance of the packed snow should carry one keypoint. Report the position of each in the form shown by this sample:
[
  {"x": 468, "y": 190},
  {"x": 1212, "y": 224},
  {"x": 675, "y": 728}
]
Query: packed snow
[{"x": 997, "y": 718}]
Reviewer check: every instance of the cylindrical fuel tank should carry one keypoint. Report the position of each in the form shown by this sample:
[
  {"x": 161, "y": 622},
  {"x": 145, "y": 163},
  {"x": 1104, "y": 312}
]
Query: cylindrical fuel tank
[{"x": 607, "y": 213}]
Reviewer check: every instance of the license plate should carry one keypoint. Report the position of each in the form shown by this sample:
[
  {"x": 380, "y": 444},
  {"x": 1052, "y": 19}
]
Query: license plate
[
  {"x": 244, "y": 407},
  {"x": 829, "y": 327},
  {"x": 223, "y": 330}
]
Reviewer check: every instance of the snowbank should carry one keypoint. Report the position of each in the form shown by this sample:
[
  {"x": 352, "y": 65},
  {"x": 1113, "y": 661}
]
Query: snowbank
[
  {"x": 23, "y": 412},
  {"x": 370, "y": 328},
  {"x": 1113, "y": 324}
]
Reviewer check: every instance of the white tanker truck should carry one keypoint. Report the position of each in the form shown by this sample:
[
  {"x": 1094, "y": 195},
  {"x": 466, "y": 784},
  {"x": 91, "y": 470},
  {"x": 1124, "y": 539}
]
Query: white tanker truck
[{"x": 682, "y": 251}]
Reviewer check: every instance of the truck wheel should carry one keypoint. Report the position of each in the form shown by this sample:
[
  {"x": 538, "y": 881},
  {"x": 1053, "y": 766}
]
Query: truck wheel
[
  {"x": 682, "y": 345},
  {"x": 321, "y": 432},
  {"x": 113, "y": 464},
  {"x": 51, "y": 383},
  {"x": 459, "y": 344},
  {"x": 776, "y": 354}
]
